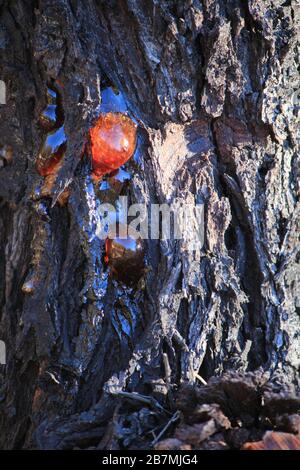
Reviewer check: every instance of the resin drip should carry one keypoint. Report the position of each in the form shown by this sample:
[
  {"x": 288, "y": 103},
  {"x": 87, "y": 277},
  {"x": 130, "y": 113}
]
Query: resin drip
[
  {"x": 52, "y": 152},
  {"x": 113, "y": 142},
  {"x": 54, "y": 145}
]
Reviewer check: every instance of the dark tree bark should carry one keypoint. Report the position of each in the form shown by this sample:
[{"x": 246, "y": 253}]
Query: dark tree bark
[{"x": 214, "y": 86}]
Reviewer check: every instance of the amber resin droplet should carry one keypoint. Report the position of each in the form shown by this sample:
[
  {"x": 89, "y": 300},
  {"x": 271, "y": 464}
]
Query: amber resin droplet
[
  {"x": 28, "y": 286},
  {"x": 54, "y": 145},
  {"x": 52, "y": 152},
  {"x": 125, "y": 257},
  {"x": 113, "y": 141}
]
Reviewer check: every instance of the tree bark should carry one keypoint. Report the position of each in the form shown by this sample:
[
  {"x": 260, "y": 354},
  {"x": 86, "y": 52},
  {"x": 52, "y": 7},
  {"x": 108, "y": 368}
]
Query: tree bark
[{"x": 214, "y": 87}]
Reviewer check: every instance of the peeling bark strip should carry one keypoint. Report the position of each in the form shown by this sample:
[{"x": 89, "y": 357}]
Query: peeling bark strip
[{"x": 214, "y": 86}]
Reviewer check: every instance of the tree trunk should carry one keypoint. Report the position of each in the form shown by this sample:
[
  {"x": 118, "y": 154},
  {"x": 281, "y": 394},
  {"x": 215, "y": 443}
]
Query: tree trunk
[{"x": 214, "y": 86}]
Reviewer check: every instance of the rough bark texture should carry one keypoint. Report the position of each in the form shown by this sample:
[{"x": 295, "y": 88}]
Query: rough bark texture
[{"x": 214, "y": 85}]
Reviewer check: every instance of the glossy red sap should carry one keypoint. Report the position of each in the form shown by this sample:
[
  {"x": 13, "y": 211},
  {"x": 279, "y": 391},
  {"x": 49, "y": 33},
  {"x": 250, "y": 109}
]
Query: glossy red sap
[{"x": 113, "y": 141}]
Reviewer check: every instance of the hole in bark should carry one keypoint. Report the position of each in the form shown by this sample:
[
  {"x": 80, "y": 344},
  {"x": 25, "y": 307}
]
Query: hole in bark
[
  {"x": 230, "y": 239},
  {"x": 125, "y": 258},
  {"x": 263, "y": 171},
  {"x": 282, "y": 224},
  {"x": 257, "y": 355},
  {"x": 266, "y": 166},
  {"x": 207, "y": 368}
]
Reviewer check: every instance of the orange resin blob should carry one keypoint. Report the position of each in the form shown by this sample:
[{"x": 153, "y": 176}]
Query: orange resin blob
[{"x": 113, "y": 141}]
